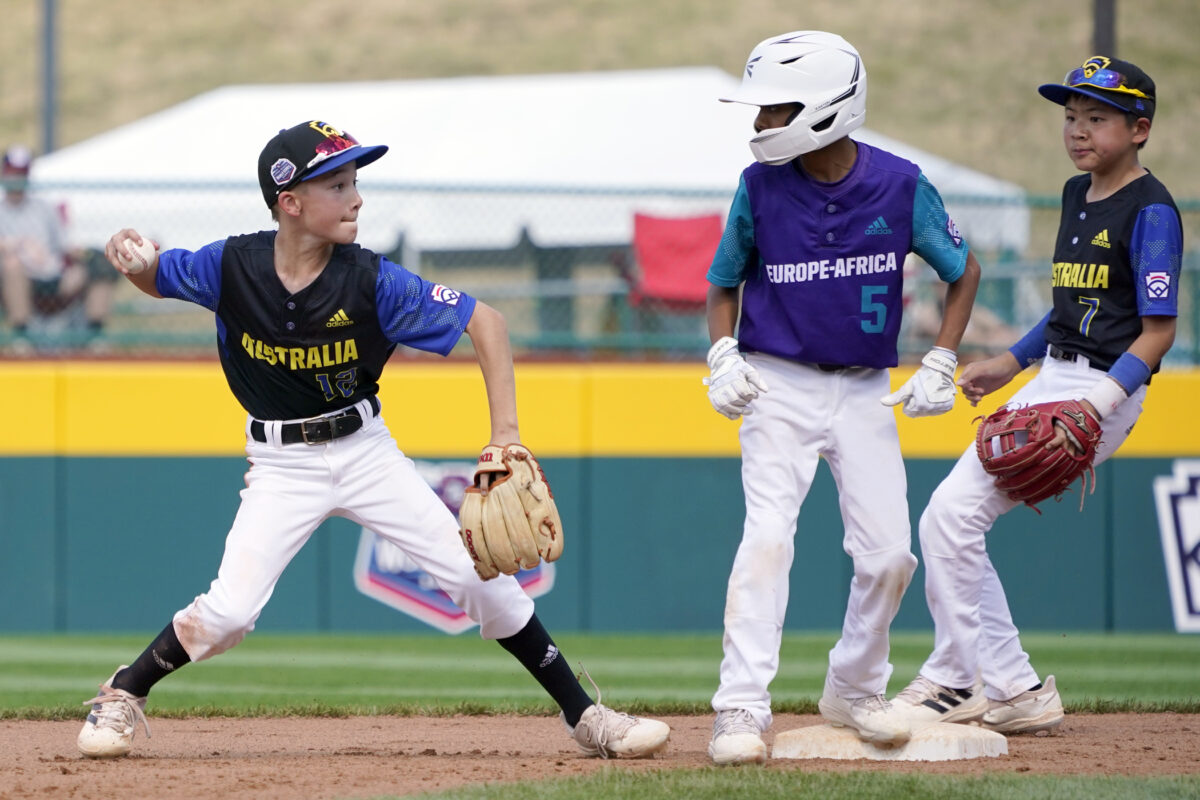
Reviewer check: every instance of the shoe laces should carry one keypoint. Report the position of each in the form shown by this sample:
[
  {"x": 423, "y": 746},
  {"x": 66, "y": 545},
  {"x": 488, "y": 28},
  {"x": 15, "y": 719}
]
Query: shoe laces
[
  {"x": 733, "y": 722},
  {"x": 606, "y": 724},
  {"x": 874, "y": 704},
  {"x": 918, "y": 691},
  {"x": 118, "y": 710}
]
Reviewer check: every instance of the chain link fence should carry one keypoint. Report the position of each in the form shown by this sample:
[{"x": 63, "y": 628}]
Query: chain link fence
[{"x": 562, "y": 265}]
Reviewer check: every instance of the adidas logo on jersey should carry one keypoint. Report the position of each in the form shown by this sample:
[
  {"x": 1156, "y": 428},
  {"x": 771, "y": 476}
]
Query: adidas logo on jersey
[
  {"x": 339, "y": 320},
  {"x": 878, "y": 228},
  {"x": 1101, "y": 239}
]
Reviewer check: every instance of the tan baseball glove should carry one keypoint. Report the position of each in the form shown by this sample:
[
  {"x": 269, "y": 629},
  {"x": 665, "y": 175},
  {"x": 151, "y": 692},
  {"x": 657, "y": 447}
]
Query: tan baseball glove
[{"x": 508, "y": 520}]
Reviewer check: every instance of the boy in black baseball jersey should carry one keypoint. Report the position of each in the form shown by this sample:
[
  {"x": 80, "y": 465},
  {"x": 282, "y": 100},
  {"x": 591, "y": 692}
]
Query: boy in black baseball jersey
[
  {"x": 1115, "y": 280},
  {"x": 306, "y": 320}
]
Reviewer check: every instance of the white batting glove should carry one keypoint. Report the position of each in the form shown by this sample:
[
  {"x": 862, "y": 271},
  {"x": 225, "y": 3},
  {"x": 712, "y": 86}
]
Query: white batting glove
[
  {"x": 733, "y": 383},
  {"x": 930, "y": 391}
]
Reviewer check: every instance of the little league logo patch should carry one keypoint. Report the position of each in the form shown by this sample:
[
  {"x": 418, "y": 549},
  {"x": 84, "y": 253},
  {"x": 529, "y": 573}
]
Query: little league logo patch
[
  {"x": 444, "y": 294},
  {"x": 1177, "y": 498},
  {"x": 952, "y": 230},
  {"x": 1158, "y": 284},
  {"x": 282, "y": 171},
  {"x": 385, "y": 573}
]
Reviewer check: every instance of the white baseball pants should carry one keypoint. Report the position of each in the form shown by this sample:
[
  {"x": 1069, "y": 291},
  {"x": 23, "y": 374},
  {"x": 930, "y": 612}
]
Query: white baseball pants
[
  {"x": 364, "y": 477},
  {"x": 973, "y": 628},
  {"x": 807, "y": 414}
]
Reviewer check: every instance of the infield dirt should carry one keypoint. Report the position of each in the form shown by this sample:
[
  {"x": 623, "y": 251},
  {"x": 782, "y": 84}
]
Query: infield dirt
[{"x": 269, "y": 759}]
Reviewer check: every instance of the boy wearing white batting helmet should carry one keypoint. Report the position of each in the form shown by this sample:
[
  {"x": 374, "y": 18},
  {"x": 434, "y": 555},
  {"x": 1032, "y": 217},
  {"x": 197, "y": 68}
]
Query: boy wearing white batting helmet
[
  {"x": 1115, "y": 288},
  {"x": 815, "y": 241},
  {"x": 306, "y": 320}
]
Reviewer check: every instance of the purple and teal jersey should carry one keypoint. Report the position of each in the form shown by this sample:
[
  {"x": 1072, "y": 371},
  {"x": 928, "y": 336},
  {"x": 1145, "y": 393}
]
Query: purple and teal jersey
[
  {"x": 298, "y": 355},
  {"x": 823, "y": 263}
]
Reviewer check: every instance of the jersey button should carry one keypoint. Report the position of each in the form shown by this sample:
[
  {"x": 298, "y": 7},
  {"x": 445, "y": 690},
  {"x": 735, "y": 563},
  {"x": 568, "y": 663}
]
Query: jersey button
[
  {"x": 1074, "y": 240},
  {"x": 291, "y": 306},
  {"x": 831, "y": 208},
  {"x": 291, "y": 326},
  {"x": 829, "y": 236},
  {"x": 1083, "y": 215}
]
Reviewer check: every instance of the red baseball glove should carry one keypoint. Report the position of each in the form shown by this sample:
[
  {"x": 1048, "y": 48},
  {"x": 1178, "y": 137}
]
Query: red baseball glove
[{"x": 1011, "y": 444}]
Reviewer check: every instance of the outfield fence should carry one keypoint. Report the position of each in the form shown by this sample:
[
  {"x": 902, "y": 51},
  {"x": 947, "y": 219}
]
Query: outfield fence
[{"x": 560, "y": 263}]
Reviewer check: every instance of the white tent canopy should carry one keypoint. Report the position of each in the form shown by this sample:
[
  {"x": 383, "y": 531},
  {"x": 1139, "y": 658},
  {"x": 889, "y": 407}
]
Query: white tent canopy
[{"x": 473, "y": 161}]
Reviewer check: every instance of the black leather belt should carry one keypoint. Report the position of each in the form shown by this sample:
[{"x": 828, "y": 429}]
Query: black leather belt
[
  {"x": 1063, "y": 355},
  {"x": 831, "y": 367},
  {"x": 317, "y": 430}
]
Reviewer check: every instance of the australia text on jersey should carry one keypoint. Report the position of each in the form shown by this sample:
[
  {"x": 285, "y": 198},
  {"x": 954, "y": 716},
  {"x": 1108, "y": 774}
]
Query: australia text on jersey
[
  {"x": 326, "y": 355},
  {"x": 825, "y": 268},
  {"x": 1080, "y": 276}
]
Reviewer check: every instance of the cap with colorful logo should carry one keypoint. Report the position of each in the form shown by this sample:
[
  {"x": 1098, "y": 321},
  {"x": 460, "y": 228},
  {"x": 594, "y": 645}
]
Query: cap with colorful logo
[
  {"x": 1118, "y": 83},
  {"x": 305, "y": 151}
]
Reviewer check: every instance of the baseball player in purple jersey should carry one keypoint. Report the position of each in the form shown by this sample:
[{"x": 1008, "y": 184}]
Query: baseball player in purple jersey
[
  {"x": 306, "y": 320},
  {"x": 1115, "y": 280},
  {"x": 816, "y": 240}
]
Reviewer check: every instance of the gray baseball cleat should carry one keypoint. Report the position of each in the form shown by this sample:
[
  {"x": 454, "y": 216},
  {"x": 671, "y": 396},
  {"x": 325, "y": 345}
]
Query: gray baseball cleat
[
  {"x": 736, "y": 739},
  {"x": 924, "y": 702},
  {"x": 603, "y": 732},
  {"x": 1029, "y": 712},
  {"x": 873, "y": 718},
  {"x": 108, "y": 732}
]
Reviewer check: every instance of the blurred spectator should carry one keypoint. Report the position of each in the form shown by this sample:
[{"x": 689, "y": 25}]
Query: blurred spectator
[
  {"x": 37, "y": 273},
  {"x": 986, "y": 334}
]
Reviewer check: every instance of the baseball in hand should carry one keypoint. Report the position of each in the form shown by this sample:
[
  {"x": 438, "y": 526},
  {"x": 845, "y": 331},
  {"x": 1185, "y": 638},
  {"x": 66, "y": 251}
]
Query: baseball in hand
[{"x": 144, "y": 256}]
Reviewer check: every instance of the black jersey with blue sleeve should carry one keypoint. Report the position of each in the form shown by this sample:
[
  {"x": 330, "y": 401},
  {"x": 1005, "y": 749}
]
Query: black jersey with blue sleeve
[
  {"x": 1116, "y": 260},
  {"x": 297, "y": 355}
]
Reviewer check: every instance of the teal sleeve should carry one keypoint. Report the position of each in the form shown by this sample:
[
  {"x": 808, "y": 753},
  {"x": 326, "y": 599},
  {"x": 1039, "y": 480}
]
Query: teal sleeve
[
  {"x": 935, "y": 237},
  {"x": 736, "y": 253}
]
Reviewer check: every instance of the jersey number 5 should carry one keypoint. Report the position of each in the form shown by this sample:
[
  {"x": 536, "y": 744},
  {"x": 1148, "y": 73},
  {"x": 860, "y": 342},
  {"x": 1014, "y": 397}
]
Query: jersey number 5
[{"x": 875, "y": 308}]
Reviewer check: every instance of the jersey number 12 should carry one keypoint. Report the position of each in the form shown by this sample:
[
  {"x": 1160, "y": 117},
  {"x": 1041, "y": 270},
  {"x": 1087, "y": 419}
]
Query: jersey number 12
[{"x": 341, "y": 385}]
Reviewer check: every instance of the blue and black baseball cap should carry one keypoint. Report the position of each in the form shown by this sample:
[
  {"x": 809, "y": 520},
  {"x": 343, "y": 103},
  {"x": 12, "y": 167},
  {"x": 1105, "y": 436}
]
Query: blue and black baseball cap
[
  {"x": 1118, "y": 83},
  {"x": 305, "y": 151}
]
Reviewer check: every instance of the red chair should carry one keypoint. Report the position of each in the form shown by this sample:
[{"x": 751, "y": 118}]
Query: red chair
[{"x": 672, "y": 256}]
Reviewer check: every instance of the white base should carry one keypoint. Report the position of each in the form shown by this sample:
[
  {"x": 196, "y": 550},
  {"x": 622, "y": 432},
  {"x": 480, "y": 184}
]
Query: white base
[{"x": 939, "y": 741}]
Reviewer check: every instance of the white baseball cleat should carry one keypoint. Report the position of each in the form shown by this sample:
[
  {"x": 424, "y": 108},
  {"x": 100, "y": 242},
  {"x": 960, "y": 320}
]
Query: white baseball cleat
[
  {"x": 108, "y": 732},
  {"x": 925, "y": 702},
  {"x": 736, "y": 739},
  {"x": 1029, "y": 712},
  {"x": 872, "y": 717},
  {"x": 604, "y": 732}
]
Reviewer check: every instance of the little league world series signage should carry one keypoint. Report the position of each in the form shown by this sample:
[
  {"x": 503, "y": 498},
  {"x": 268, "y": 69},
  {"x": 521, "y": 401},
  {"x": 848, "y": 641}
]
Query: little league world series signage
[
  {"x": 384, "y": 572},
  {"x": 1178, "y": 499}
]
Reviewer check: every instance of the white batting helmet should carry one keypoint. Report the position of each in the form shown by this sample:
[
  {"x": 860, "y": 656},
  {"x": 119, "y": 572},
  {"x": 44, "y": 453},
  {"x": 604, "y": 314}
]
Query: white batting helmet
[{"x": 820, "y": 71}]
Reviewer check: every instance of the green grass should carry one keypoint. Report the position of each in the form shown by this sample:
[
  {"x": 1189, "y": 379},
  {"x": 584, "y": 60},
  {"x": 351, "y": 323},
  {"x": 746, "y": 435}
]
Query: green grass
[
  {"x": 720, "y": 784},
  {"x": 48, "y": 676}
]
